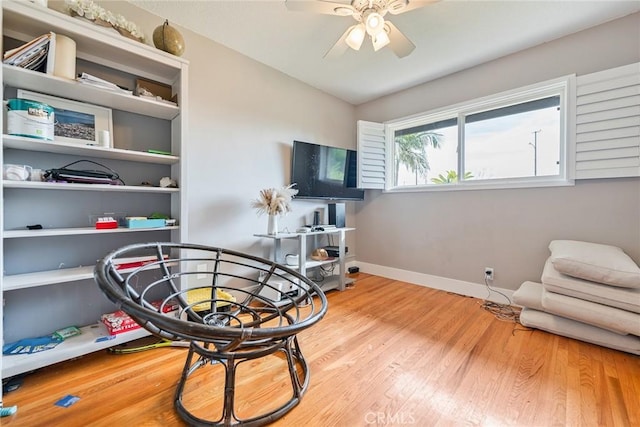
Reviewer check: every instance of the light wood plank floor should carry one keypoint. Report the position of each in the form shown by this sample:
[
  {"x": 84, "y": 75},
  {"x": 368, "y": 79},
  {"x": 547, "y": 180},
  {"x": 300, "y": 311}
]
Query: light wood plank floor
[{"x": 387, "y": 353}]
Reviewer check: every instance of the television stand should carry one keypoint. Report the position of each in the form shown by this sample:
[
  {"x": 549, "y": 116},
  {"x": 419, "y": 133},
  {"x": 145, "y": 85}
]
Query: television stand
[{"x": 337, "y": 281}]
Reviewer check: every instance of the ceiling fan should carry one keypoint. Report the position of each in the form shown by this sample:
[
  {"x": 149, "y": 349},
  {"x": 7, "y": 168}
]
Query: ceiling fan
[{"x": 369, "y": 15}]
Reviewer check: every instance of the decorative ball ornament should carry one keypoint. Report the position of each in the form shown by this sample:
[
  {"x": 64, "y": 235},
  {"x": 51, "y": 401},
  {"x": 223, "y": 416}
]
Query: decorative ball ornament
[{"x": 167, "y": 38}]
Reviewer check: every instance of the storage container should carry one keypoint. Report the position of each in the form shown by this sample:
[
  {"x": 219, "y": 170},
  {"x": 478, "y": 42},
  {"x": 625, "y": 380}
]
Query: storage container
[
  {"x": 145, "y": 223},
  {"x": 30, "y": 118}
]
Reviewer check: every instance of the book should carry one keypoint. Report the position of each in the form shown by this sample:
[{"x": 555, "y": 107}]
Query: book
[
  {"x": 165, "y": 153},
  {"x": 36, "y": 55},
  {"x": 134, "y": 262},
  {"x": 22, "y": 53},
  {"x": 91, "y": 80}
]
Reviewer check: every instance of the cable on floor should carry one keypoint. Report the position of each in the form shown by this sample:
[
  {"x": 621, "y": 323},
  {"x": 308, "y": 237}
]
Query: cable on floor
[{"x": 504, "y": 312}]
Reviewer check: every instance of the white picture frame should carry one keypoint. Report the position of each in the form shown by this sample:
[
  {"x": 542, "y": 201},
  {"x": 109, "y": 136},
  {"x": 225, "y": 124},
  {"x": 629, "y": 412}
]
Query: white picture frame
[{"x": 77, "y": 122}]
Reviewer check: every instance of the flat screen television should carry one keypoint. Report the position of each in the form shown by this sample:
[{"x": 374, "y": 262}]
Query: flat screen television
[{"x": 323, "y": 172}]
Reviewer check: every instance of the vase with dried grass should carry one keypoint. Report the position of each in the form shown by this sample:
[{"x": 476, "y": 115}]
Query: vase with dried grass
[{"x": 274, "y": 202}]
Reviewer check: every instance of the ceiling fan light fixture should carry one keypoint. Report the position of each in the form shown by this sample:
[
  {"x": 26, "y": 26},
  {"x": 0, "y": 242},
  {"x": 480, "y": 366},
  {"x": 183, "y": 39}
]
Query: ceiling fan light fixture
[
  {"x": 356, "y": 37},
  {"x": 369, "y": 22},
  {"x": 380, "y": 40},
  {"x": 343, "y": 11},
  {"x": 395, "y": 6},
  {"x": 374, "y": 23}
]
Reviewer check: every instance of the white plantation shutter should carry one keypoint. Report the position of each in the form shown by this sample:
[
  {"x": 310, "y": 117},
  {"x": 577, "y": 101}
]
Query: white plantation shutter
[
  {"x": 371, "y": 155},
  {"x": 608, "y": 123}
]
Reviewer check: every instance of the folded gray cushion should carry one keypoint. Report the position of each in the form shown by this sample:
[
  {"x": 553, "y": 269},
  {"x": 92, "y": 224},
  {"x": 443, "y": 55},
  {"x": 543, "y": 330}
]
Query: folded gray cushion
[
  {"x": 529, "y": 294},
  {"x": 623, "y": 298},
  {"x": 596, "y": 262},
  {"x": 580, "y": 331},
  {"x": 602, "y": 316}
]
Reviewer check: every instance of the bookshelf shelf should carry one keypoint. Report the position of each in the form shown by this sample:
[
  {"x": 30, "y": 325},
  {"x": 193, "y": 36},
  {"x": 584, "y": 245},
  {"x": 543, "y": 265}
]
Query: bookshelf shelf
[
  {"x": 66, "y": 186},
  {"x": 57, "y": 86},
  {"x": 21, "y": 234},
  {"x": 31, "y": 144},
  {"x": 93, "y": 337}
]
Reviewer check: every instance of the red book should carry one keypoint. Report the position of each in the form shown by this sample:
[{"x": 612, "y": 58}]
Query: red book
[{"x": 134, "y": 262}]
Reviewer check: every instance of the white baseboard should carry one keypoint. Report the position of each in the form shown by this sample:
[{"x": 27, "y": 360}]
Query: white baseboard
[{"x": 476, "y": 290}]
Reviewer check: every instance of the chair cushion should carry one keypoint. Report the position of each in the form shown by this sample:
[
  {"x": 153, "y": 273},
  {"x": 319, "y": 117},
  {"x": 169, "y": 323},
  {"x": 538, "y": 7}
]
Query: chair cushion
[
  {"x": 578, "y": 330},
  {"x": 529, "y": 295},
  {"x": 538, "y": 297},
  {"x": 595, "y": 262},
  {"x": 603, "y": 316},
  {"x": 624, "y": 298}
]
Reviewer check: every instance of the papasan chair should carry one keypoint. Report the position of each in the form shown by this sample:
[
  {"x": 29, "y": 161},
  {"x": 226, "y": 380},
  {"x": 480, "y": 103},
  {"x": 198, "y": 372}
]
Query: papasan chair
[{"x": 240, "y": 315}]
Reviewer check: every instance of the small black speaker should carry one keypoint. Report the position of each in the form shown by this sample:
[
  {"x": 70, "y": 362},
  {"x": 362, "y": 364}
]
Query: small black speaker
[
  {"x": 316, "y": 218},
  {"x": 337, "y": 214}
]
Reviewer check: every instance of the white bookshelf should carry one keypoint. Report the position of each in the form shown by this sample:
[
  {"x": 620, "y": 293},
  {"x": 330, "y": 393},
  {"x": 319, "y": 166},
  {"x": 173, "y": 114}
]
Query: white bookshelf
[{"x": 27, "y": 254}]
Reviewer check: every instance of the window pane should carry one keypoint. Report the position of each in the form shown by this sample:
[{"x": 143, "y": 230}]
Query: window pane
[
  {"x": 334, "y": 168},
  {"x": 423, "y": 152},
  {"x": 513, "y": 142}
]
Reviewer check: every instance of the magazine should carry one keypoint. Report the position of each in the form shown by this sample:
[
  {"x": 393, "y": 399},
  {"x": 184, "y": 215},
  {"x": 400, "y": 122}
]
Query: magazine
[{"x": 36, "y": 55}]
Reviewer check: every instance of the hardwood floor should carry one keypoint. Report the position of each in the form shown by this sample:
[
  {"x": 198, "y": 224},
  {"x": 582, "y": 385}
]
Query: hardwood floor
[{"x": 387, "y": 353}]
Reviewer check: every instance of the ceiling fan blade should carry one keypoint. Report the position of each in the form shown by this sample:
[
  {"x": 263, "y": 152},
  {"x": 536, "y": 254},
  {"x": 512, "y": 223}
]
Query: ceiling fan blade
[
  {"x": 340, "y": 47},
  {"x": 319, "y": 6},
  {"x": 398, "y": 42},
  {"x": 397, "y": 7}
]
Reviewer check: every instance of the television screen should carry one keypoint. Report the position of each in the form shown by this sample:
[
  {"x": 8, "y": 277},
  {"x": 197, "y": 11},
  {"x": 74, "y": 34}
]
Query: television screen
[{"x": 322, "y": 172}]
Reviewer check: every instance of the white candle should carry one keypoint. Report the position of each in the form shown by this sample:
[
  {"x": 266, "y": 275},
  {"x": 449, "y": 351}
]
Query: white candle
[
  {"x": 103, "y": 139},
  {"x": 65, "y": 58}
]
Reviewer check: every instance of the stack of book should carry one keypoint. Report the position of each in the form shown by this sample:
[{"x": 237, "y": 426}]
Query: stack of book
[{"x": 37, "y": 55}]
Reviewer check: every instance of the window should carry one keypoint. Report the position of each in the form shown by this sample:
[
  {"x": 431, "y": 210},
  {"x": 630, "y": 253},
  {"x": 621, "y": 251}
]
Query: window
[
  {"x": 334, "y": 168},
  {"x": 513, "y": 139}
]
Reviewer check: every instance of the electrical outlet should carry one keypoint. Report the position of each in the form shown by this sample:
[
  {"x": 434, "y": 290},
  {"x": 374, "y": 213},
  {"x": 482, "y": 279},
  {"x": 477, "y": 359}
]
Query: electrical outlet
[{"x": 488, "y": 273}]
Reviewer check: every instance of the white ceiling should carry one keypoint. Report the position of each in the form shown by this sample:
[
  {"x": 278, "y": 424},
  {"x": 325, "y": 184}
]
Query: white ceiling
[{"x": 449, "y": 35}]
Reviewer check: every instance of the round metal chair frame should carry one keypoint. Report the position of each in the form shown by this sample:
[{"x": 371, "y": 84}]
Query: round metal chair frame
[{"x": 272, "y": 303}]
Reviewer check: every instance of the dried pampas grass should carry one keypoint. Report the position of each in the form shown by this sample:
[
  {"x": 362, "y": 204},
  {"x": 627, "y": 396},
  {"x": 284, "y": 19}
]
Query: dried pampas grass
[{"x": 274, "y": 201}]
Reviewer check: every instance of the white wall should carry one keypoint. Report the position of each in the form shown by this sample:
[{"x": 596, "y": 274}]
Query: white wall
[
  {"x": 456, "y": 234},
  {"x": 243, "y": 118}
]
